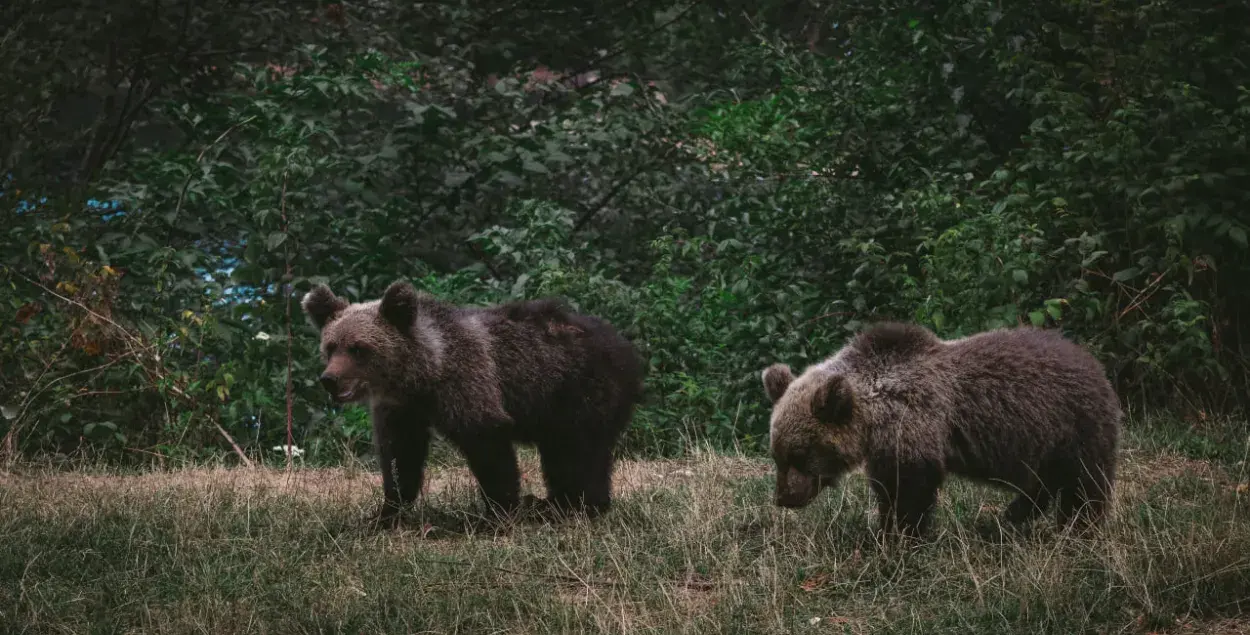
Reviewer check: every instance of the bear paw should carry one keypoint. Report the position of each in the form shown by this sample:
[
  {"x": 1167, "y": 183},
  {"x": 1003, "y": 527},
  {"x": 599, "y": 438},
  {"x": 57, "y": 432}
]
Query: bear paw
[{"x": 386, "y": 516}]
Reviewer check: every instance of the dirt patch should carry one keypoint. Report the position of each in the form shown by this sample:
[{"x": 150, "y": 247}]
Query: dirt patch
[
  {"x": 1210, "y": 627},
  {"x": 317, "y": 482},
  {"x": 630, "y": 476},
  {"x": 1137, "y": 474}
]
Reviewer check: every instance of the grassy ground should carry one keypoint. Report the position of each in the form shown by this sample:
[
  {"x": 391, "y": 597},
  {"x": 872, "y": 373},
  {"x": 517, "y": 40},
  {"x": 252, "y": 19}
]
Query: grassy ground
[{"x": 692, "y": 546}]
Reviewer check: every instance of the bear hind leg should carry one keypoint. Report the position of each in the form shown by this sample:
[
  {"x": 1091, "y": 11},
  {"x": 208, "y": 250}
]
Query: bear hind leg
[
  {"x": 1028, "y": 505},
  {"x": 1083, "y": 504},
  {"x": 579, "y": 478},
  {"x": 493, "y": 463},
  {"x": 1034, "y": 498}
]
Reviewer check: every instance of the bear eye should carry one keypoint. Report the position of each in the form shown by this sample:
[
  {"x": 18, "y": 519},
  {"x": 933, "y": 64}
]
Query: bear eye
[
  {"x": 356, "y": 350},
  {"x": 798, "y": 459}
]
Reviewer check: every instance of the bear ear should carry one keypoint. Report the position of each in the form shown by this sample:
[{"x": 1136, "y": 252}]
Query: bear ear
[
  {"x": 399, "y": 305},
  {"x": 833, "y": 402},
  {"x": 321, "y": 306},
  {"x": 777, "y": 379}
]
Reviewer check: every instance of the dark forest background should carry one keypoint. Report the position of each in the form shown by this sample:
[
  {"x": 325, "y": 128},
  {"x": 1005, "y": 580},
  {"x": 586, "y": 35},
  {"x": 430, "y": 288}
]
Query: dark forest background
[{"x": 731, "y": 183}]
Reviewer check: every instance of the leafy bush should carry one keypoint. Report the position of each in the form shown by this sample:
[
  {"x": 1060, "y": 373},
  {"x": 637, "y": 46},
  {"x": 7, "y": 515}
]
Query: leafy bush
[{"x": 727, "y": 187}]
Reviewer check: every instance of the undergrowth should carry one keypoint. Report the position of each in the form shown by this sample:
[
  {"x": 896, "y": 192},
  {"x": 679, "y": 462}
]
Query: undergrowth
[{"x": 691, "y": 546}]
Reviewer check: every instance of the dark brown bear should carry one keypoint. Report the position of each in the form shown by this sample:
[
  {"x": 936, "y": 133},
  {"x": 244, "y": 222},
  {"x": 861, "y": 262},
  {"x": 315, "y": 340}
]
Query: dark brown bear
[
  {"x": 484, "y": 378},
  {"x": 1022, "y": 408}
]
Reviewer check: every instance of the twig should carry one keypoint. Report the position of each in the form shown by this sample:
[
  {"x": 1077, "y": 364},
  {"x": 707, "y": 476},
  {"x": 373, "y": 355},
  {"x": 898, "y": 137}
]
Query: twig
[
  {"x": 137, "y": 346},
  {"x": 142, "y": 451},
  {"x": 10, "y": 439},
  {"x": 31, "y": 397},
  {"x": 823, "y": 316},
  {"x": 607, "y": 198},
  {"x": 1141, "y": 296},
  {"x": 186, "y": 184},
  {"x": 593, "y": 211},
  {"x": 237, "y": 449},
  {"x": 78, "y": 304},
  {"x": 286, "y": 287},
  {"x": 101, "y": 393}
]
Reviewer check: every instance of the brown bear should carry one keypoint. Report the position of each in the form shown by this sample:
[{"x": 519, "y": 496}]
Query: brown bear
[
  {"x": 527, "y": 372},
  {"x": 1022, "y": 407}
]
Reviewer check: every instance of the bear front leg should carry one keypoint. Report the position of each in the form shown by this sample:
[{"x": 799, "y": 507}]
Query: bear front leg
[
  {"x": 402, "y": 446},
  {"x": 411, "y": 449},
  {"x": 388, "y": 513},
  {"x": 906, "y": 492}
]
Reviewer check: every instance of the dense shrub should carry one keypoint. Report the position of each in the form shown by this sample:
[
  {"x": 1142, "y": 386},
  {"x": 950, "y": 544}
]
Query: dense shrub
[{"x": 730, "y": 186}]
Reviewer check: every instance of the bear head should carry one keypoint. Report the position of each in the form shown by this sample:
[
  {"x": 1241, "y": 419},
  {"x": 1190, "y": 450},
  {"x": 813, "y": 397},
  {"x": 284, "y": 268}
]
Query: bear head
[
  {"x": 370, "y": 349},
  {"x": 814, "y": 434}
]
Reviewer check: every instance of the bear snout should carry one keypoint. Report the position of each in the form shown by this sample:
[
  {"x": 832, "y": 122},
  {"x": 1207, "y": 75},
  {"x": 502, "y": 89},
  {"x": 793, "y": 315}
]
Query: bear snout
[
  {"x": 330, "y": 383},
  {"x": 795, "y": 490},
  {"x": 791, "y": 500},
  {"x": 342, "y": 390}
]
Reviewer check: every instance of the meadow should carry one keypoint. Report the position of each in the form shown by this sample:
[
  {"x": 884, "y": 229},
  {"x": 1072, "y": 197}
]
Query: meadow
[
  {"x": 731, "y": 184},
  {"x": 692, "y": 545}
]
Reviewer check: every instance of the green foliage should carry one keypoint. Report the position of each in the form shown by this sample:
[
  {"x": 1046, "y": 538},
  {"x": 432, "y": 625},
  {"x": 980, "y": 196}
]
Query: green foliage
[{"x": 730, "y": 184}]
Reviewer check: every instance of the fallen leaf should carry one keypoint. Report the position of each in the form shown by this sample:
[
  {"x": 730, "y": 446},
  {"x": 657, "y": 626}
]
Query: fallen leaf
[
  {"x": 814, "y": 582},
  {"x": 27, "y": 311}
]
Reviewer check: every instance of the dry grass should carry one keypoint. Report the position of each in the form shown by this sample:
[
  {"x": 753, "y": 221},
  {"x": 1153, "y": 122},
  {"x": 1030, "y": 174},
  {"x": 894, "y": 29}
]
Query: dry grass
[{"x": 692, "y": 546}]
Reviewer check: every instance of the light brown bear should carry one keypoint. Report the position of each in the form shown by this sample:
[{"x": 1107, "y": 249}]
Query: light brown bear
[
  {"x": 484, "y": 378},
  {"x": 1022, "y": 408}
]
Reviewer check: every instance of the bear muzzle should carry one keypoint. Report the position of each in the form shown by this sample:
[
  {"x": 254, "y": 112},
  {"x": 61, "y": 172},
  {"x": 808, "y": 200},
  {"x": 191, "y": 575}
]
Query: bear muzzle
[
  {"x": 342, "y": 391},
  {"x": 795, "y": 490}
]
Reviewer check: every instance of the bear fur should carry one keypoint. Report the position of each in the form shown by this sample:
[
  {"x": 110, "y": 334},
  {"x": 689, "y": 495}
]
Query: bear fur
[
  {"x": 485, "y": 378},
  {"x": 1023, "y": 408}
]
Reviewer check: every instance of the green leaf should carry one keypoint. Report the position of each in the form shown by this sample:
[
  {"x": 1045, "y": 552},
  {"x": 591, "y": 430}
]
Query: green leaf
[
  {"x": 1125, "y": 274},
  {"x": 530, "y": 165},
  {"x": 1054, "y": 310},
  {"x": 623, "y": 89},
  {"x": 1037, "y": 318},
  {"x": 1021, "y": 276},
  {"x": 456, "y": 178},
  {"x": 1238, "y": 235},
  {"x": 1092, "y": 258},
  {"x": 518, "y": 287},
  {"x": 508, "y": 178},
  {"x": 275, "y": 240}
]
